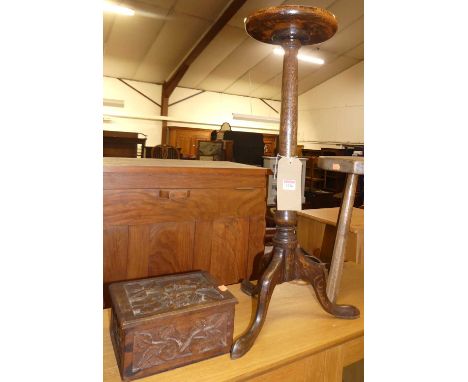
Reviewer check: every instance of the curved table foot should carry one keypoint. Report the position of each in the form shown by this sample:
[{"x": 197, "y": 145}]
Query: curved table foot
[
  {"x": 310, "y": 270},
  {"x": 267, "y": 284}
]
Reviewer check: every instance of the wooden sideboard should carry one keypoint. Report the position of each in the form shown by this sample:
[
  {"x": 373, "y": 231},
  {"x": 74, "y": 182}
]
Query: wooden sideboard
[{"x": 164, "y": 216}]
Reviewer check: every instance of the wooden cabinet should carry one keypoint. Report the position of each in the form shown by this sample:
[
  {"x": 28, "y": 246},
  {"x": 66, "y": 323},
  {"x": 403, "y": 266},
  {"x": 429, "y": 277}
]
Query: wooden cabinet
[
  {"x": 123, "y": 144},
  {"x": 270, "y": 142},
  {"x": 187, "y": 139},
  {"x": 166, "y": 216}
]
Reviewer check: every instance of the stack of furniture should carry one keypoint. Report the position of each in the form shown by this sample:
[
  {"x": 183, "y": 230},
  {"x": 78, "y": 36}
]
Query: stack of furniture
[
  {"x": 187, "y": 139},
  {"x": 324, "y": 189}
]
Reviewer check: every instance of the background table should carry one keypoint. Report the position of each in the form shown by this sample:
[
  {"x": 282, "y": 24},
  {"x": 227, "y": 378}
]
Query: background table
[
  {"x": 299, "y": 341},
  {"x": 316, "y": 231}
]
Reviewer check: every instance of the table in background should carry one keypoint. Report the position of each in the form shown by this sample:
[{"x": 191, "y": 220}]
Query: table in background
[
  {"x": 316, "y": 230},
  {"x": 299, "y": 341}
]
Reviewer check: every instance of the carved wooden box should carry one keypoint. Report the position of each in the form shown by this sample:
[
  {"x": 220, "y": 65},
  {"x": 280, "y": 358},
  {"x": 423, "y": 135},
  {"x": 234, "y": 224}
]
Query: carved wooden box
[{"x": 161, "y": 323}]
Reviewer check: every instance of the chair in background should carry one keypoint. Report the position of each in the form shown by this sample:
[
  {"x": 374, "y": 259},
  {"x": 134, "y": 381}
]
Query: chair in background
[
  {"x": 165, "y": 152},
  {"x": 210, "y": 150}
]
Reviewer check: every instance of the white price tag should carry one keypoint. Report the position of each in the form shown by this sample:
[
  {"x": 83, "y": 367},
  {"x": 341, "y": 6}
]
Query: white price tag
[{"x": 289, "y": 177}]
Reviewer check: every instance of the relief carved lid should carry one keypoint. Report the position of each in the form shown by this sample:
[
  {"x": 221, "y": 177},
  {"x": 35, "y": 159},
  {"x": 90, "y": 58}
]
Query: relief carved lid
[{"x": 142, "y": 300}]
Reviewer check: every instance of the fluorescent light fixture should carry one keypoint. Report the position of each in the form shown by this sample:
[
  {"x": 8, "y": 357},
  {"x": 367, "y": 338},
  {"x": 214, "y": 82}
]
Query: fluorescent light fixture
[
  {"x": 120, "y": 10},
  {"x": 107, "y": 117},
  {"x": 303, "y": 57},
  {"x": 113, "y": 102},
  {"x": 255, "y": 118},
  {"x": 311, "y": 59}
]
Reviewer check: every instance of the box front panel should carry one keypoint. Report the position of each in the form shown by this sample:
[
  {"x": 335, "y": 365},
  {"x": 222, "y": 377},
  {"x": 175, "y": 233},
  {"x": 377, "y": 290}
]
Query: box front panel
[{"x": 179, "y": 340}]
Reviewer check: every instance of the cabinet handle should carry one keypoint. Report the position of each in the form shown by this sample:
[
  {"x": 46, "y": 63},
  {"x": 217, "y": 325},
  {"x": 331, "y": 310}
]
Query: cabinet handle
[
  {"x": 174, "y": 194},
  {"x": 245, "y": 188}
]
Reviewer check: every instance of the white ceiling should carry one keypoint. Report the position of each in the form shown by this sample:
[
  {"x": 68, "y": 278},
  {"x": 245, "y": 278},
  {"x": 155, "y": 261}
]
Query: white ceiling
[{"x": 151, "y": 45}]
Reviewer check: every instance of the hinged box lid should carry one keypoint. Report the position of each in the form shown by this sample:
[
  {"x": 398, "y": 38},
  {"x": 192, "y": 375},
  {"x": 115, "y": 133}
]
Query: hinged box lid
[{"x": 141, "y": 301}]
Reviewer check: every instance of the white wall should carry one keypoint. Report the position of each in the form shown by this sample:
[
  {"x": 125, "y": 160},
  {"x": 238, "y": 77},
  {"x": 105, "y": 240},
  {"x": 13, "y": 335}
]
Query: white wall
[
  {"x": 208, "y": 107},
  {"x": 135, "y": 104},
  {"x": 334, "y": 110},
  {"x": 211, "y": 107}
]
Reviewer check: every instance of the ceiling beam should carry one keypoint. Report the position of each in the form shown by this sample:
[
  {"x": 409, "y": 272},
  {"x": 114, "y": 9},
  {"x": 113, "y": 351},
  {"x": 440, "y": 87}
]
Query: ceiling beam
[{"x": 231, "y": 10}]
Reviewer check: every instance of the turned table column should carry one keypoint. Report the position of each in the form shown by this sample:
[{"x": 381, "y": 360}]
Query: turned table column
[{"x": 290, "y": 27}]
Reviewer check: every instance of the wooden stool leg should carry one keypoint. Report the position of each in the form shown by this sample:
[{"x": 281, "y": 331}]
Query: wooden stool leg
[
  {"x": 309, "y": 270},
  {"x": 342, "y": 231},
  {"x": 267, "y": 283}
]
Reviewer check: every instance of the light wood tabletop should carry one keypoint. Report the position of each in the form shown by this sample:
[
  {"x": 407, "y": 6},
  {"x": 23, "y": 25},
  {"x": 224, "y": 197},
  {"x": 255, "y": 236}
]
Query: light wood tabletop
[
  {"x": 316, "y": 232},
  {"x": 330, "y": 216},
  {"x": 298, "y": 340}
]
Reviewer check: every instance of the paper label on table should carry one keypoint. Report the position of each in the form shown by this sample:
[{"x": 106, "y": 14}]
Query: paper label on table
[
  {"x": 288, "y": 193},
  {"x": 335, "y": 166}
]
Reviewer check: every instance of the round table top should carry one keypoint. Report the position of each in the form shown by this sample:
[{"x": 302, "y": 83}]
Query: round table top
[{"x": 275, "y": 25}]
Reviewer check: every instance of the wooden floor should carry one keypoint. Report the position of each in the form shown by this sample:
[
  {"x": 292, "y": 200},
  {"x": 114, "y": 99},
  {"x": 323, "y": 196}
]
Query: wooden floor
[{"x": 298, "y": 342}]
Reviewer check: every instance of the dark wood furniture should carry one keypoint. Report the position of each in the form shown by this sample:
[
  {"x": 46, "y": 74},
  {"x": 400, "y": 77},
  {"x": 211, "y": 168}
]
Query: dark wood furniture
[
  {"x": 164, "y": 216},
  {"x": 325, "y": 188},
  {"x": 290, "y": 27},
  {"x": 165, "y": 152},
  {"x": 270, "y": 144},
  {"x": 161, "y": 323},
  {"x": 315, "y": 177},
  {"x": 123, "y": 144},
  {"x": 187, "y": 139}
]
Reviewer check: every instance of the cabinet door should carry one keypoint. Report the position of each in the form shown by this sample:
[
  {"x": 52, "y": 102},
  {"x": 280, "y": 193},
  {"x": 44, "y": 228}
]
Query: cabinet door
[
  {"x": 229, "y": 249},
  {"x": 257, "y": 226},
  {"x": 115, "y": 242},
  {"x": 158, "y": 249}
]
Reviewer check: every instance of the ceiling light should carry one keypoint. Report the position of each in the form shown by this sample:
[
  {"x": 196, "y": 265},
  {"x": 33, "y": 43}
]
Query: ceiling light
[
  {"x": 120, "y": 10},
  {"x": 278, "y": 51},
  {"x": 303, "y": 57},
  {"x": 311, "y": 59}
]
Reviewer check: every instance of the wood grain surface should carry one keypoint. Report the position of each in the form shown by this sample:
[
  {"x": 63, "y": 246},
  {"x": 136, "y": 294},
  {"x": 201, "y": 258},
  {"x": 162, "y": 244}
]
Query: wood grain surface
[
  {"x": 298, "y": 341},
  {"x": 316, "y": 231},
  {"x": 160, "y": 219},
  {"x": 330, "y": 216}
]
